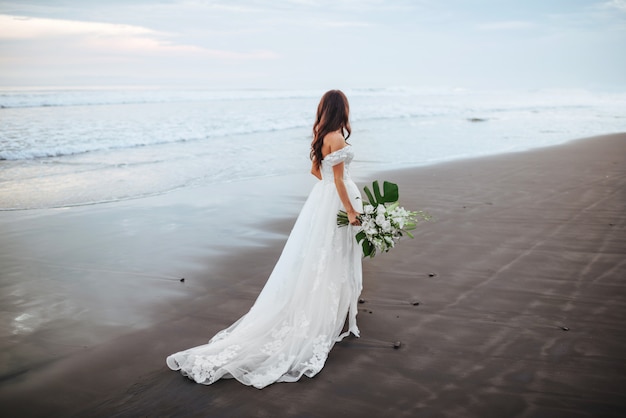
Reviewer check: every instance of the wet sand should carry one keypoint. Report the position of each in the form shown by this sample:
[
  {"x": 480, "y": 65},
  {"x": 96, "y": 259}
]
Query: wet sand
[{"x": 510, "y": 302}]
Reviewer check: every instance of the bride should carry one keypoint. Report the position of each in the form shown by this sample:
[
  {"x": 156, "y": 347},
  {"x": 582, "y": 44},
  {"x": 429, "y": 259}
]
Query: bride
[{"x": 314, "y": 287}]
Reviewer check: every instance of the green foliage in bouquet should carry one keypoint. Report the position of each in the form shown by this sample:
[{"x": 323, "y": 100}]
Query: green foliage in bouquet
[
  {"x": 369, "y": 249},
  {"x": 390, "y": 193},
  {"x": 383, "y": 221}
]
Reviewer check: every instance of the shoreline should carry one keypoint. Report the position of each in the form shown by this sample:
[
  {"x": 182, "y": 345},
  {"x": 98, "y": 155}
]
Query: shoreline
[
  {"x": 364, "y": 168},
  {"x": 523, "y": 245}
]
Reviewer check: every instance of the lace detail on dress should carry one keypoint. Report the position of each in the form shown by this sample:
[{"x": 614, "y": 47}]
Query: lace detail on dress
[
  {"x": 343, "y": 155},
  {"x": 300, "y": 329},
  {"x": 204, "y": 367},
  {"x": 278, "y": 335},
  {"x": 321, "y": 263},
  {"x": 302, "y": 324},
  {"x": 339, "y": 156},
  {"x": 271, "y": 374},
  {"x": 321, "y": 347}
]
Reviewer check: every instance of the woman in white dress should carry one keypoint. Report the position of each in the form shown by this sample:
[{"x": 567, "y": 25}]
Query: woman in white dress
[{"x": 314, "y": 287}]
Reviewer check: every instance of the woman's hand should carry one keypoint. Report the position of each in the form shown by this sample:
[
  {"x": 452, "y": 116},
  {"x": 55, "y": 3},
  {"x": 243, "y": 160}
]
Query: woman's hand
[
  {"x": 353, "y": 218},
  {"x": 315, "y": 170}
]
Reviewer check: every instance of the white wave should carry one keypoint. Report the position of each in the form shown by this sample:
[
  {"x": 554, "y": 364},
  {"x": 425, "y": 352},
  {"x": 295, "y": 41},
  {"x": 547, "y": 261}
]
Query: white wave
[
  {"x": 145, "y": 117},
  {"x": 134, "y": 141},
  {"x": 30, "y": 97},
  {"x": 86, "y": 97}
]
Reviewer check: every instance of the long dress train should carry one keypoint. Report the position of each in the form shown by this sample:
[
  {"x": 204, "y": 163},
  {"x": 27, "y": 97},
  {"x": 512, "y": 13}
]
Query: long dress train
[{"x": 301, "y": 312}]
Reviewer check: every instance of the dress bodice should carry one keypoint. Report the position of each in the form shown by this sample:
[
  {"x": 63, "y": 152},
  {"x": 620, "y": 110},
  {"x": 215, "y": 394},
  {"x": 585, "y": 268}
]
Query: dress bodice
[{"x": 343, "y": 155}]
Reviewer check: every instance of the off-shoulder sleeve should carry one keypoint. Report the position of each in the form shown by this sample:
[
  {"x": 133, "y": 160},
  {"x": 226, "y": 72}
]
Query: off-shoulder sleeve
[{"x": 337, "y": 157}]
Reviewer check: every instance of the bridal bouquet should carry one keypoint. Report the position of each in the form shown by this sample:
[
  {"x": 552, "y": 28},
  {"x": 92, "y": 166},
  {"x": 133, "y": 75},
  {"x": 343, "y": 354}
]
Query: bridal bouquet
[{"x": 383, "y": 221}]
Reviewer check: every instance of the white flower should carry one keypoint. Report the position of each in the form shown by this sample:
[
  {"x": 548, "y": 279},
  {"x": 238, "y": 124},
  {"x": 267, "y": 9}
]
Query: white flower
[
  {"x": 386, "y": 226},
  {"x": 369, "y": 227},
  {"x": 380, "y": 219},
  {"x": 399, "y": 220},
  {"x": 368, "y": 209},
  {"x": 381, "y": 209}
]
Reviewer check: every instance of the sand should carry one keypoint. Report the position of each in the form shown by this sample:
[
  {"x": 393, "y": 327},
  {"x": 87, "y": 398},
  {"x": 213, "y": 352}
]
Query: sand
[{"x": 510, "y": 302}]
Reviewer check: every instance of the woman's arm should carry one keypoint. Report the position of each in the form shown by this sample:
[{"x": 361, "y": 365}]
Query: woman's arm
[
  {"x": 315, "y": 170},
  {"x": 343, "y": 195},
  {"x": 334, "y": 142}
]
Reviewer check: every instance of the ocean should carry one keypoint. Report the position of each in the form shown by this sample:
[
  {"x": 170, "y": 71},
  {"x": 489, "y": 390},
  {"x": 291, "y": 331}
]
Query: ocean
[{"x": 64, "y": 147}]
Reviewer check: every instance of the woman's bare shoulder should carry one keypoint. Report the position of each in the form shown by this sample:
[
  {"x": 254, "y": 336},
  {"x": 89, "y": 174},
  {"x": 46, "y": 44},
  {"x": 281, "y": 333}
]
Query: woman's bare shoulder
[{"x": 334, "y": 141}]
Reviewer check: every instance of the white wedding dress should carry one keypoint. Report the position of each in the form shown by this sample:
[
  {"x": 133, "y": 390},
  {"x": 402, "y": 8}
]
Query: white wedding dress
[{"x": 302, "y": 310}]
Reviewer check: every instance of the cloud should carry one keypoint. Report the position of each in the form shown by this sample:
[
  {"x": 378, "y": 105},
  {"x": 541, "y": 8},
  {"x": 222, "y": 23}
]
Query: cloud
[
  {"x": 110, "y": 38},
  {"x": 345, "y": 24},
  {"x": 21, "y": 27},
  {"x": 616, "y": 4},
  {"x": 506, "y": 25}
]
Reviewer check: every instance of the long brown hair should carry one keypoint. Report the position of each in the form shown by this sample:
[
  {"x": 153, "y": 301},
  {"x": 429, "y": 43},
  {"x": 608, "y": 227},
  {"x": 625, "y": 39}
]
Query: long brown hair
[{"x": 332, "y": 115}]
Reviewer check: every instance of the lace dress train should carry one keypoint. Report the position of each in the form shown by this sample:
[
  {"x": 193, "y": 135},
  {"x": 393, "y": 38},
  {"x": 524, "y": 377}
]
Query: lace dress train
[{"x": 302, "y": 309}]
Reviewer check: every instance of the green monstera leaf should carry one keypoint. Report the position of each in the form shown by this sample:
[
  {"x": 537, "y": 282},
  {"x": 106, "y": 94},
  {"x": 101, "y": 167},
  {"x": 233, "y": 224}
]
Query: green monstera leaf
[
  {"x": 389, "y": 193},
  {"x": 369, "y": 250}
]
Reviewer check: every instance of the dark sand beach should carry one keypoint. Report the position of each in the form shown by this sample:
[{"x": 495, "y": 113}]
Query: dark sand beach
[{"x": 511, "y": 302}]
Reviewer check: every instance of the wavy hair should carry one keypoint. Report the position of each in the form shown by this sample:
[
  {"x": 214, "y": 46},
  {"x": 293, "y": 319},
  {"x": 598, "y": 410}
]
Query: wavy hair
[{"x": 332, "y": 115}]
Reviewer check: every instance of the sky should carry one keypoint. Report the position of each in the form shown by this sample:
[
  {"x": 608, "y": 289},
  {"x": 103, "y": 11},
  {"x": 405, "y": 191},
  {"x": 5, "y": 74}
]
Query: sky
[{"x": 303, "y": 44}]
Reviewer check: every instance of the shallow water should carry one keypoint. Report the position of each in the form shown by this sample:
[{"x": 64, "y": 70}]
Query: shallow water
[
  {"x": 72, "y": 147},
  {"x": 75, "y": 277}
]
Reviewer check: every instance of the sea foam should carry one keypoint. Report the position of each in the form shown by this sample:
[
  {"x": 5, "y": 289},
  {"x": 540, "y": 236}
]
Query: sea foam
[{"x": 73, "y": 146}]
